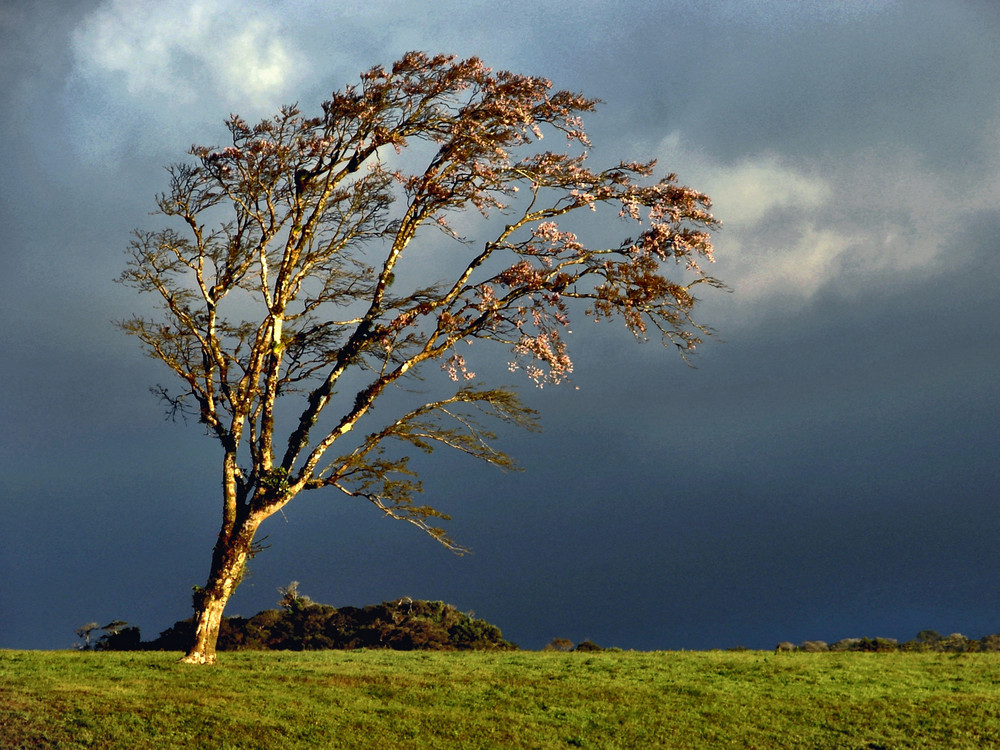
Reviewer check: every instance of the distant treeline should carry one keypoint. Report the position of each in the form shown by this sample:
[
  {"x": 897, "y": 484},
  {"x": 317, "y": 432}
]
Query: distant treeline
[
  {"x": 926, "y": 640},
  {"x": 302, "y": 625},
  {"x": 406, "y": 624}
]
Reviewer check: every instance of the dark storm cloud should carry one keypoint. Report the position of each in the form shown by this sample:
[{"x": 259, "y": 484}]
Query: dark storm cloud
[
  {"x": 828, "y": 471},
  {"x": 817, "y": 86}
]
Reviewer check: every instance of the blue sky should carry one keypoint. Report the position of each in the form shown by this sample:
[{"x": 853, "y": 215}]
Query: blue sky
[{"x": 829, "y": 468}]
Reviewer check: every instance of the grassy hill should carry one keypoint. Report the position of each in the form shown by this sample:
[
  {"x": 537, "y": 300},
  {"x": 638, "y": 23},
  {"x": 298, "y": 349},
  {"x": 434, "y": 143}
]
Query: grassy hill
[{"x": 391, "y": 699}]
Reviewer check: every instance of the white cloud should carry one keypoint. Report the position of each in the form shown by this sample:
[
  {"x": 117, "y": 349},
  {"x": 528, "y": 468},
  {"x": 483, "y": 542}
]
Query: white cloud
[
  {"x": 792, "y": 229},
  {"x": 255, "y": 67},
  {"x": 164, "y": 65},
  {"x": 799, "y": 270},
  {"x": 745, "y": 193},
  {"x": 189, "y": 51},
  {"x": 771, "y": 241}
]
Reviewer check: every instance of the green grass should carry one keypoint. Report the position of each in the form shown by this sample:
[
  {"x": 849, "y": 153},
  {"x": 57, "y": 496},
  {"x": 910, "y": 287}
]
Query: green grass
[{"x": 386, "y": 699}]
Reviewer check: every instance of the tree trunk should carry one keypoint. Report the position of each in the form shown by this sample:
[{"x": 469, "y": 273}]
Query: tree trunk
[{"x": 228, "y": 564}]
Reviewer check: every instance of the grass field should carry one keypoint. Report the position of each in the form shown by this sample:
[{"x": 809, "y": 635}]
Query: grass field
[{"x": 390, "y": 699}]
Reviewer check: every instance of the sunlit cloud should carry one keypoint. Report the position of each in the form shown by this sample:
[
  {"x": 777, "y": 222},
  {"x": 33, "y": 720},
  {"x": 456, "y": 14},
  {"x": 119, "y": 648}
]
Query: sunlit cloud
[
  {"x": 772, "y": 241},
  {"x": 794, "y": 229}
]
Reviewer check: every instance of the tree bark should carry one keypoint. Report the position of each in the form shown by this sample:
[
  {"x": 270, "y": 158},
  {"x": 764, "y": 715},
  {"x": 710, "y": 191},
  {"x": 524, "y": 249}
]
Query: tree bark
[{"x": 229, "y": 561}]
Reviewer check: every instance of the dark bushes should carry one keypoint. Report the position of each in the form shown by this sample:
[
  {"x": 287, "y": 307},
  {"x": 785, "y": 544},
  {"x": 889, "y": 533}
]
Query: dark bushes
[
  {"x": 565, "y": 644},
  {"x": 403, "y": 625},
  {"x": 926, "y": 640}
]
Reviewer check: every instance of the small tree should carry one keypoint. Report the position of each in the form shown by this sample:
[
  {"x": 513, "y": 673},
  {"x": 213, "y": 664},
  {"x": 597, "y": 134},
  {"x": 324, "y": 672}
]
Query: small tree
[
  {"x": 285, "y": 282},
  {"x": 86, "y": 632},
  {"x": 291, "y": 599}
]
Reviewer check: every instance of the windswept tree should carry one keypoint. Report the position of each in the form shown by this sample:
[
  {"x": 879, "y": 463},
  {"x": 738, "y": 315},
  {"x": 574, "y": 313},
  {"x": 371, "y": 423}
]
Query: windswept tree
[{"x": 287, "y": 309}]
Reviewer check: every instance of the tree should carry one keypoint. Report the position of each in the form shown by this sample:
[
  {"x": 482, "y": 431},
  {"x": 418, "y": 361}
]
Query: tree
[
  {"x": 85, "y": 632},
  {"x": 283, "y": 281},
  {"x": 291, "y": 599}
]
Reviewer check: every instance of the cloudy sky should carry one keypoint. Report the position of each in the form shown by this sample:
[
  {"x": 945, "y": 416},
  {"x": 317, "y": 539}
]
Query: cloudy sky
[{"x": 829, "y": 468}]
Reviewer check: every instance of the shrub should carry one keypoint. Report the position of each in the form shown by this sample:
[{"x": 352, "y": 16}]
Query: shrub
[
  {"x": 957, "y": 643},
  {"x": 559, "y": 644},
  {"x": 844, "y": 644},
  {"x": 403, "y": 625},
  {"x": 120, "y": 639},
  {"x": 813, "y": 646},
  {"x": 990, "y": 642}
]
